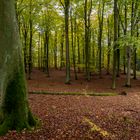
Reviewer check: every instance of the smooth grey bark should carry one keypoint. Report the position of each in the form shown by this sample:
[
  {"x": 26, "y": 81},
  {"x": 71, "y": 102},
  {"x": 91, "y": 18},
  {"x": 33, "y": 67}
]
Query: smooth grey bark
[
  {"x": 87, "y": 14},
  {"x": 100, "y": 33},
  {"x": 134, "y": 11},
  {"x": 30, "y": 43},
  {"x": 134, "y": 63},
  {"x": 115, "y": 43},
  {"x": 55, "y": 50},
  {"x": 39, "y": 51},
  {"x": 124, "y": 27},
  {"x": 46, "y": 53},
  {"x": 118, "y": 52},
  {"x": 14, "y": 109},
  {"x": 109, "y": 47},
  {"x": 25, "y": 35},
  {"x": 66, "y": 10},
  {"x": 118, "y": 62},
  {"x": 128, "y": 74},
  {"x": 62, "y": 52},
  {"x": 125, "y": 32},
  {"x": 78, "y": 52},
  {"x": 73, "y": 42}
]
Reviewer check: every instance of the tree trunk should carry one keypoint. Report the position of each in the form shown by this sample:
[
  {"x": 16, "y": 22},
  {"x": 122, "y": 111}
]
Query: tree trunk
[
  {"x": 67, "y": 41},
  {"x": 93, "y": 56},
  {"x": 62, "y": 52},
  {"x": 133, "y": 31},
  {"x": 55, "y": 50},
  {"x": 134, "y": 63},
  {"x": 46, "y": 53},
  {"x": 14, "y": 109},
  {"x": 25, "y": 33},
  {"x": 78, "y": 53},
  {"x": 73, "y": 42},
  {"x": 125, "y": 33},
  {"x": 41, "y": 51},
  {"x": 128, "y": 76},
  {"x": 109, "y": 49},
  {"x": 87, "y": 14},
  {"x": 118, "y": 62},
  {"x": 30, "y": 45},
  {"x": 115, "y": 45},
  {"x": 118, "y": 53},
  {"x": 124, "y": 63},
  {"x": 100, "y": 18},
  {"x": 39, "y": 45},
  {"x": 135, "y": 58}
]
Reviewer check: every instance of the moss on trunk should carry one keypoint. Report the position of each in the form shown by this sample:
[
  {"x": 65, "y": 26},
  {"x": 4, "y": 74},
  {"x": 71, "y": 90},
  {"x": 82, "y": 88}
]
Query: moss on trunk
[
  {"x": 14, "y": 109},
  {"x": 15, "y": 113}
]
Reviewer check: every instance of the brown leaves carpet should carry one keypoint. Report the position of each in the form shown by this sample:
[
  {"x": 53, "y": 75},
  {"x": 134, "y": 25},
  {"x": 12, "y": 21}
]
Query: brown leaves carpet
[{"x": 82, "y": 117}]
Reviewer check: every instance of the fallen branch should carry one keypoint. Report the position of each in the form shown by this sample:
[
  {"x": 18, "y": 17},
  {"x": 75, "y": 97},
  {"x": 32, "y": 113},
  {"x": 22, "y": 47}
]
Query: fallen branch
[{"x": 74, "y": 93}]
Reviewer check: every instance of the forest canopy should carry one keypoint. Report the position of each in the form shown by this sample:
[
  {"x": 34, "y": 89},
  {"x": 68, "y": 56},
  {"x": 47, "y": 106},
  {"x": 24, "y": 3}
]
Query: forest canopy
[{"x": 82, "y": 35}]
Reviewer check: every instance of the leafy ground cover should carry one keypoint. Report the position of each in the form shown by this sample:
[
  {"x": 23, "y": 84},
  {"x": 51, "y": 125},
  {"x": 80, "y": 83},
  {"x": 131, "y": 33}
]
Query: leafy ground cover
[{"x": 68, "y": 117}]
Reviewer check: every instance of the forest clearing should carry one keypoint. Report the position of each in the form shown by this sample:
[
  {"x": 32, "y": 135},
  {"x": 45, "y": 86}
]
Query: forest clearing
[
  {"x": 77, "y": 117},
  {"x": 69, "y": 70}
]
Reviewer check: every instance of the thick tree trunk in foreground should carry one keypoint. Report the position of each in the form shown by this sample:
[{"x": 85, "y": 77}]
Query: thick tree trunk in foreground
[{"x": 14, "y": 110}]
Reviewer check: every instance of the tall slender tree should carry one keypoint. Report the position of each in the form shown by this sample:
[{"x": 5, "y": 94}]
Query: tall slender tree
[
  {"x": 46, "y": 53},
  {"x": 55, "y": 50},
  {"x": 67, "y": 5},
  {"x": 62, "y": 51},
  {"x": 109, "y": 46},
  {"x": 31, "y": 37},
  {"x": 73, "y": 41},
  {"x": 115, "y": 43},
  {"x": 100, "y": 33},
  {"x": 87, "y": 14}
]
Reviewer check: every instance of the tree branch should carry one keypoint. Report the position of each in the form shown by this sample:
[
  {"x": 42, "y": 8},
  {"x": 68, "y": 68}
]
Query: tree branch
[{"x": 62, "y": 4}]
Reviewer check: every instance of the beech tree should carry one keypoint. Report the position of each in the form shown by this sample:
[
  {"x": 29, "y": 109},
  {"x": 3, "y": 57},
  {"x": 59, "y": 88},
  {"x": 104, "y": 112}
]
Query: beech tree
[
  {"x": 115, "y": 44},
  {"x": 31, "y": 41},
  {"x": 15, "y": 113},
  {"x": 100, "y": 33},
  {"x": 87, "y": 14},
  {"x": 81, "y": 35},
  {"x": 66, "y": 7}
]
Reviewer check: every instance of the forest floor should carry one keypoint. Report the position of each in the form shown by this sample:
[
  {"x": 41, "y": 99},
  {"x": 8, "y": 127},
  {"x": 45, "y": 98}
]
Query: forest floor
[{"x": 73, "y": 117}]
